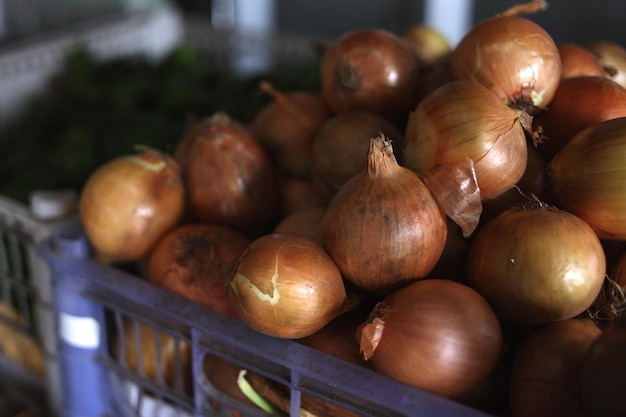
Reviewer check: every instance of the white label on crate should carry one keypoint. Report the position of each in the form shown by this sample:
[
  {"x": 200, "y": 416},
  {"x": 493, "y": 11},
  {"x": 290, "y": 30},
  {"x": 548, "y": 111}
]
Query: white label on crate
[{"x": 80, "y": 332}]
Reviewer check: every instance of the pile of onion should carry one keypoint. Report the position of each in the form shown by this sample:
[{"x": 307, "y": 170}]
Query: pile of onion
[{"x": 383, "y": 228}]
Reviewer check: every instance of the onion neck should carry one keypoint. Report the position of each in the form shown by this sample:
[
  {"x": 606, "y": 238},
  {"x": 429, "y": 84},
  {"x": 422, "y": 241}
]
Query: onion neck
[{"x": 381, "y": 159}]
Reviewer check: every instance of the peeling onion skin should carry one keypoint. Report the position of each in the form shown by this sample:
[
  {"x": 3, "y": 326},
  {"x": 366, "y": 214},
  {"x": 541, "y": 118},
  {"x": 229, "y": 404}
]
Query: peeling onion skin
[
  {"x": 588, "y": 177},
  {"x": 537, "y": 265},
  {"x": 285, "y": 285},
  {"x": 514, "y": 58},
  {"x": 438, "y": 335},
  {"x": 463, "y": 119},
  {"x": 129, "y": 203}
]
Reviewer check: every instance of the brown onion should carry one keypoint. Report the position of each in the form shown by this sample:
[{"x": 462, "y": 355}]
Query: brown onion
[
  {"x": 428, "y": 43},
  {"x": 298, "y": 194},
  {"x": 463, "y": 119},
  {"x": 603, "y": 373},
  {"x": 588, "y": 178},
  {"x": 383, "y": 228},
  {"x": 287, "y": 125},
  {"x": 192, "y": 260},
  {"x": 154, "y": 355},
  {"x": 370, "y": 70},
  {"x": 438, "y": 335},
  {"x": 452, "y": 263},
  {"x": 514, "y": 58},
  {"x": 568, "y": 115},
  {"x": 537, "y": 264},
  {"x": 340, "y": 148},
  {"x": 612, "y": 55},
  {"x": 285, "y": 285},
  {"x": 129, "y": 203},
  {"x": 578, "y": 61},
  {"x": 304, "y": 222},
  {"x": 230, "y": 178},
  {"x": 529, "y": 188},
  {"x": 546, "y": 373}
]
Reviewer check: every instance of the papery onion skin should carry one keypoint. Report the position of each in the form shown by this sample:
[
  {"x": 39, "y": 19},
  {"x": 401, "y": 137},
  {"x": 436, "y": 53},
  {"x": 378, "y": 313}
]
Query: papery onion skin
[
  {"x": 383, "y": 228},
  {"x": 537, "y": 265},
  {"x": 568, "y": 115},
  {"x": 513, "y": 57},
  {"x": 285, "y": 285},
  {"x": 546, "y": 373},
  {"x": 588, "y": 177},
  {"x": 435, "y": 334},
  {"x": 230, "y": 177},
  {"x": 463, "y": 119},
  {"x": 129, "y": 203},
  {"x": 192, "y": 259},
  {"x": 370, "y": 70}
]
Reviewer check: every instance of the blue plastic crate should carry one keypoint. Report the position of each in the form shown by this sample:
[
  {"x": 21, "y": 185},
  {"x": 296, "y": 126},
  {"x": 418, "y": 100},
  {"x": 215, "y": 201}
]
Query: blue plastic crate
[
  {"x": 29, "y": 373},
  {"x": 97, "y": 306}
]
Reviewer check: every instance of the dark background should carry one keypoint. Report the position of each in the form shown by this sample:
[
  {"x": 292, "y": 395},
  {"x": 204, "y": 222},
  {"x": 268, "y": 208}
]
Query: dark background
[{"x": 565, "y": 20}]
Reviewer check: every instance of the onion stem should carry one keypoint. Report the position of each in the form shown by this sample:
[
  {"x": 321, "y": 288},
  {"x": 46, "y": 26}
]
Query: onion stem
[
  {"x": 529, "y": 7},
  {"x": 254, "y": 396}
]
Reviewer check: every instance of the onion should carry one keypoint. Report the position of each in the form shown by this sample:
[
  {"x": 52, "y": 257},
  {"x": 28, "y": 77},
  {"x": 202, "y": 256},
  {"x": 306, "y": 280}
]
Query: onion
[
  {"x": 433, "y": 75},
  {"x": 287, "y": 125},
  {"x": 537, "y": 264},
  {"x": 340, "y": 148},
  {"x": 528, "y": 189},
  {"x": 463, "y": 119},
  {"x": 429, "y": 44},
  {"x": 192, "y": 259},
  {"x": 304, "y": 222},
  {"x": 383, "y": 228},
  {"x": 285, "y": 285},
  {"x": 612, "y": 56},
  {"x": 129, "y": 203},
  {"x": 568, "y": 115},
  {"x": 578, "y": 61},
  {"x": 603, "y": 372},
  {"x": 223, "y": 377},
  {"x": 298, "y": 194},
  {"x": 230, "y": 179},
  {"x": 438, "y": 335},
  {"x": 513, "y": 57},
  {"x": 452, "y": 263},
  {"x": 370, "y": 70},
  {"x": 587, "y": 177},
  {"x": 546, "y": 373},
  {"x": 154, "y": 355}
]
